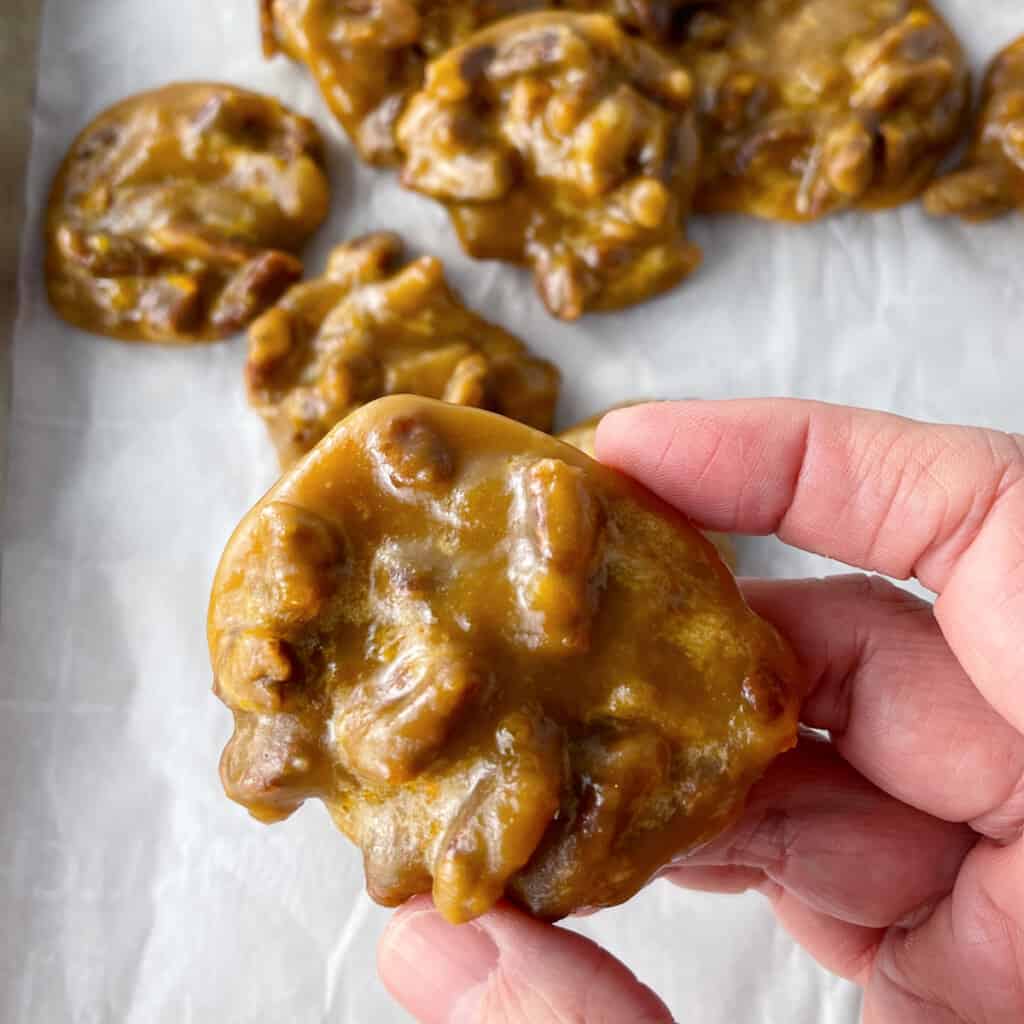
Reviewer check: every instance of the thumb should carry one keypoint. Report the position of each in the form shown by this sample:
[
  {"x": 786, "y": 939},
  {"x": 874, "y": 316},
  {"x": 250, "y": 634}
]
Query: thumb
[{"x": 506, "y": 967}]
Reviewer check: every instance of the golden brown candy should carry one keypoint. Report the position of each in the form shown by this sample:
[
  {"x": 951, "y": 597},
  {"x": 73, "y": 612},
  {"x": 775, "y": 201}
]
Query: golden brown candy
[
  {"x": 557, "y": 141},
  {"x": 811, "y": 106},
  {"x": 177, "y": 213},
  {"x": 583, "y": 434},
  {"x": 658, "y": 20},
  {"x": 991, "y": 181},
  {"x": 375, "y": 325},
  {"x": 504, "y": 668},
  {"x": 369, "y": 56}
]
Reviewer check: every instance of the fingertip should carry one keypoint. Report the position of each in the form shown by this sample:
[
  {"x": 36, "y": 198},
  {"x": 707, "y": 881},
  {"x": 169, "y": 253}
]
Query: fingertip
[
  {"x": 712, "y": 460},
  {"x": 505, "y": 966},
  {"x": 620, "y": 430},
  {"x": 398, "y": 920},
  {"x": 431, "y": 967}
]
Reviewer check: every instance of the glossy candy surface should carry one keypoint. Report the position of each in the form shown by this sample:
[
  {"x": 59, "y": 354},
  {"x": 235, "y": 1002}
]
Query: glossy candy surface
[
  {"x": 812, "y": 106},
  {"x": 504, "y": 668},
  {"x": 177, "y": 214},
  {"x": 378, "y": 323},
  {"x": 991, "y": 181},
  {"x": 557, "y": 141}
]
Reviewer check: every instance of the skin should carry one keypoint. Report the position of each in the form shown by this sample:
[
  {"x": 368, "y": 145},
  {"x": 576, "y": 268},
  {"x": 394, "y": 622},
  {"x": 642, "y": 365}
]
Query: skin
[{"x": 894, "y": 855}]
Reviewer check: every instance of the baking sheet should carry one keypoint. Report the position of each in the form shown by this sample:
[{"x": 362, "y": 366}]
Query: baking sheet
[{"x": 130, "y": 888}]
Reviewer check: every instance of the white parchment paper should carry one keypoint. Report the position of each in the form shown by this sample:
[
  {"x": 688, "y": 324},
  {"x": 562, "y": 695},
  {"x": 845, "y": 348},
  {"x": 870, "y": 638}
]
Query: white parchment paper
[{"x": 130, "y": 888}]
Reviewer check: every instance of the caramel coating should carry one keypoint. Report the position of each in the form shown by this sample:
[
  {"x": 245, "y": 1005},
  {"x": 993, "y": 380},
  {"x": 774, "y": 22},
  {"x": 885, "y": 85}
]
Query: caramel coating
[
  {"x": 176, "y": 214},
  {"x": 991, "y": 181},
  {"x": 376, "y": 325},
  {"x": 661, "y": 21},
  {"x": 369, "y": 56},
  {"x": 504, "y": 668},
  {"x": 811, "y": 106},
  {"x": 558, "y": 141},
  {"x": 582, "y": 435}
]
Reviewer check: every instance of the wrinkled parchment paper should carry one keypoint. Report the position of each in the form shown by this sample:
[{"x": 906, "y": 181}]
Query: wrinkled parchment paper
[{"x": 131, "y": 890}]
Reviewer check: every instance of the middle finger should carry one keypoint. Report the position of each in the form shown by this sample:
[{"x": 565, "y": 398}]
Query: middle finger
[
  {"x": 839, "y": 844},
  {"x": 897, "y": 703}
]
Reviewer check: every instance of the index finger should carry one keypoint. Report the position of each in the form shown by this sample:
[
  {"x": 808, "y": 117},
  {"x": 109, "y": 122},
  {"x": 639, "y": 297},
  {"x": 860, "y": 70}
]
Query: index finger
[{"x": 884, "y": 493}]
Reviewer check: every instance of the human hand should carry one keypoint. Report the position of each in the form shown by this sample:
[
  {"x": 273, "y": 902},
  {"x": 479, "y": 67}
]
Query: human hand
[{"x": 894, "y": 854}]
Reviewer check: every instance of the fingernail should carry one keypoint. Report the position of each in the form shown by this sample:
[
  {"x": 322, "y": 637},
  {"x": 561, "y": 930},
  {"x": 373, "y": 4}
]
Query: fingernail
[{"x": 430, "y": 966}]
